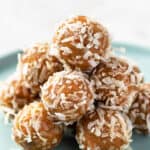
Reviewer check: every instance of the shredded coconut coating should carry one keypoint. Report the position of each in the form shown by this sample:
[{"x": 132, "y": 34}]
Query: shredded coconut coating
[
  {"x": 116, "y": 82},
  {"x": 104, "y": 129},
  {"x": 33, "y": 129},
  {"x": 14, "y": 95},
  {"x": 140, "y": 110},
  {"x": 80, "y": 43},
  {"x": 67, "y": 95},
  {"x": 36, "y": 65}
]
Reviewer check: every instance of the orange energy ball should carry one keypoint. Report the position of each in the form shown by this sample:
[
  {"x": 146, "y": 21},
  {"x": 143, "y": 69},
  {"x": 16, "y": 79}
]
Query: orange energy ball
[
  {"x": 115, "y": 82},
  {"x": 67, "y": 95},
  {"x": 14, "y": 95},
  {"x": 33, "y": 129},
  {"x": 104, "y": 129},
  {"x": 36, "y": 65},
  {"x": 140, "y": 110},
  {"x": 80, "y": 43}
]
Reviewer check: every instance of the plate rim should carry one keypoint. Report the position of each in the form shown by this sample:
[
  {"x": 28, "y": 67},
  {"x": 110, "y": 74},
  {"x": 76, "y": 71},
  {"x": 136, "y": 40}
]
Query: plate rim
[{"x": 133, "y": 46}]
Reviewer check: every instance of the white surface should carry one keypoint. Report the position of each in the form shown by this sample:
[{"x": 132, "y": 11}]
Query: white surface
[{"x": 23, "y": 22}]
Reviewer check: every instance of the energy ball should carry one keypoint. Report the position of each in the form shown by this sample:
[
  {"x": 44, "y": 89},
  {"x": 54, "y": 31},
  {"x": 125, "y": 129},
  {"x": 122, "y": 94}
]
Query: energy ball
[
  {"x": 36, "y": 65},
  {"x": 80, "y": 43},
  {"x": 104, "y": 129},
  {"x": 115, "y": 82},
  {"x": 140, "y": 111},
  {"x": 14, "y": 95},
  {"x": 33, "y": 129},
  {"x": 67, "y": 95}
]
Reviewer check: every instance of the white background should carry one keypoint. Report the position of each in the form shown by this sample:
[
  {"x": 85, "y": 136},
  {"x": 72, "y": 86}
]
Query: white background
[{"x": 23, "y": 22}]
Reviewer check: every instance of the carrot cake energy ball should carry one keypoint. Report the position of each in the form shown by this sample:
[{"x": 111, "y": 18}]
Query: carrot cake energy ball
[
  {"x": 140, "y": 110},
  {"x": 14, "y": 95},
  {"x": 115, "y": 81},
  {"x": 36, "y": 65},
  {"x": 67, "y": 95},
  {"x": 33, "y": 129},
  {"x": 104, "y": 129},
  {"x": 80, "y": 43}
]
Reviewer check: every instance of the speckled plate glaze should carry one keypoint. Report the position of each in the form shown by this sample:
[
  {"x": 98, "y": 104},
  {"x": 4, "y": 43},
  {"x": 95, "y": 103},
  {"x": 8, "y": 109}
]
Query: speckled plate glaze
[{"x": 139, "y": 54}]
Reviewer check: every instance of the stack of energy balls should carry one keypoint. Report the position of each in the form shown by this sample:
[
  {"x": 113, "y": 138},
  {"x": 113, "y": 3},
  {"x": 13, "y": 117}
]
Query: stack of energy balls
[{"x": 76, "y": 79}]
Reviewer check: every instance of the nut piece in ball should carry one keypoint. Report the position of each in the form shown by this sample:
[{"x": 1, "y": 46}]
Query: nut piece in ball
[
  {"x": 67, "y": 95},
  {"x": 115, "y": 82},
  {"x": 140, "y": 111},
  {"x": 36, "y": 65},
  {"x": 33, "y": 129},
  {"x": 14, "y": 95},
  {"x": 104, "y": 129},
  {"x": 80, "y": 43}
]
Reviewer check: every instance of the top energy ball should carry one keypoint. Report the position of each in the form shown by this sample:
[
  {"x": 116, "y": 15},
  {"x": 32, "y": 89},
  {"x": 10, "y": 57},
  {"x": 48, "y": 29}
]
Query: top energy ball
[{"x": 80, "y": 43}]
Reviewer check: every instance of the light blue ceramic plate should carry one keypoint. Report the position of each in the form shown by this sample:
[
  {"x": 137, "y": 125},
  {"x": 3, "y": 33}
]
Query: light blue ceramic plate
[{"x": 7, "y": 66}]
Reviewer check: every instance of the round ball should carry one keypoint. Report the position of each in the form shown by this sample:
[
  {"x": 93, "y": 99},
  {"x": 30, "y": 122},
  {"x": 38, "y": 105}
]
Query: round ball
[
  {"x": 33, "y": 129},
  {"x": 14, "y": 95},
  {"x": 140, "y": 111},
  {"x": 36, "y": 65},
  {"x": 67, "y": 95},
  {"x": 115, "y": 82},
  {"x": 80, "y": 43},
  {"x": 104, "y": 129}
]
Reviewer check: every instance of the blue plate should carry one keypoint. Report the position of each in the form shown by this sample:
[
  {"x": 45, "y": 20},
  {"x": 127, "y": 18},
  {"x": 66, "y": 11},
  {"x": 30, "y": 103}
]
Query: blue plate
[{"x": 8, "y": 63}]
